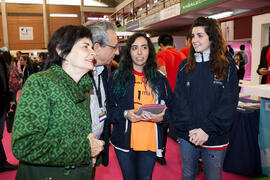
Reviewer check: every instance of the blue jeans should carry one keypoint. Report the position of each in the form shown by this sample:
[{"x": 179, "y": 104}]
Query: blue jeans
[
  {"x": 212, "y": 161},
  {"x": 136, "y": 164}
]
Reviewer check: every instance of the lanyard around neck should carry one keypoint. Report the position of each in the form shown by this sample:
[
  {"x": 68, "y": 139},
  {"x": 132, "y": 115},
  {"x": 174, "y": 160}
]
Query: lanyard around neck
[{"x": 97, "y": 89}]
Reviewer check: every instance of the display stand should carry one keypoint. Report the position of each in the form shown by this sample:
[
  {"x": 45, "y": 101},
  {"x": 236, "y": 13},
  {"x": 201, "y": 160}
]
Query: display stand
[{"x": 263, "y": 91}]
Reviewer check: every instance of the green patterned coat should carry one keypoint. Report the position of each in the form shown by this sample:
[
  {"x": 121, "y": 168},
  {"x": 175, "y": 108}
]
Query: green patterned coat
[{"x": 52, "y": 120}]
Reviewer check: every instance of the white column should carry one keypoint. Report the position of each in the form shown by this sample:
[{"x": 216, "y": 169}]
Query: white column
[
  {"x": 45, "y": 23},
  {"x": 260, "y": 28},
  {"x": 82, "y": 12},
  {"x": 4, "y": 21}
]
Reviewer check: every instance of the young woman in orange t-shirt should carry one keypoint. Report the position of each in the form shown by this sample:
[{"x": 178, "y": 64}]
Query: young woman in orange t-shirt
[{"x": 137, "y": 139}]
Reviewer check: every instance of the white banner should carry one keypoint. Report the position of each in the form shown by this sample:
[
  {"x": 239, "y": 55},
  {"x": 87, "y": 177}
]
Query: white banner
[{"x": 26, "y": 33}]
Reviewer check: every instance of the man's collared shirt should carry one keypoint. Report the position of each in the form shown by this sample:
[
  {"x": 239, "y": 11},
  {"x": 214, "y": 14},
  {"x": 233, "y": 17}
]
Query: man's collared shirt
[{"x": 96, "y": 110}]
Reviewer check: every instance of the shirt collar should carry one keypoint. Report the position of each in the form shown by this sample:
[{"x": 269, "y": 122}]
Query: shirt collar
[
  {"x": 98, "y": 70},
  {"x": 203, "y": 57}
]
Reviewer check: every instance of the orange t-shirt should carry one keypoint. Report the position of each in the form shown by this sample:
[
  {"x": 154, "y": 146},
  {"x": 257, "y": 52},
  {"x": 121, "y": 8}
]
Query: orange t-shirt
[{"x": 143, "y": 136}]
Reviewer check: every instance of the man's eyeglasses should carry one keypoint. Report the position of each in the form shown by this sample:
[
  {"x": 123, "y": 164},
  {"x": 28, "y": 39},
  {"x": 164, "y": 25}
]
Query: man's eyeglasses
[{"x": 114, "y": 47}]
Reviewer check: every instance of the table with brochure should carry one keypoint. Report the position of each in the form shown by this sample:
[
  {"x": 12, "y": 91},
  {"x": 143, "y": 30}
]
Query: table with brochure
[
  {"x": 243, "y": 153},
  {"x": 263, "y": 91}
]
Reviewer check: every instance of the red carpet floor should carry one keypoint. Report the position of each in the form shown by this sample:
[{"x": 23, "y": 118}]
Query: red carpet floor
[{"x": 172, "y": 171}]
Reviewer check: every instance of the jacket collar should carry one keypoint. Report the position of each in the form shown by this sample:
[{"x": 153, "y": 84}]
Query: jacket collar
[
  {"x": 202, "y": 57},
  {"x": 76, "y": 90}
]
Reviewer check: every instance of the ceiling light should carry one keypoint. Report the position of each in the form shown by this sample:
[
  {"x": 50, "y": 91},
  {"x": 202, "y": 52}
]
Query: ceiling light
[
  {"x": 95, "y": 3},
  {"x": 63, "y": 15},
  {"x": 221, "y": 15}
]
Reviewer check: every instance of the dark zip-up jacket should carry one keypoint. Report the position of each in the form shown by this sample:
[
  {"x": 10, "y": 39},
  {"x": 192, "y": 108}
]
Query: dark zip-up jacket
[
  {"x": 202, "y": 101},
  {"x": 121, "y": 132}
]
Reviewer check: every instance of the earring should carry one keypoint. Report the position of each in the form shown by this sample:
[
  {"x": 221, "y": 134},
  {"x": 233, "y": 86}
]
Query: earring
[{"x": 66, "y": 62}]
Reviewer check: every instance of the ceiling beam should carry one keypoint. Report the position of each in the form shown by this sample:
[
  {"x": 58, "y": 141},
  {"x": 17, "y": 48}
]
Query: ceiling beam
[
  {"x": 97, "y": 9},
  {"x": 110, "y": 3}
]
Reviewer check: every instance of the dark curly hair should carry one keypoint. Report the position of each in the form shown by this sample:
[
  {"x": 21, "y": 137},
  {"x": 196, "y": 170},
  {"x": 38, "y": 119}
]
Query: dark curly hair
[
  {"x": 124, "y": 73},
  {"x": 64, "y": 39},
  {"x": 217, "y": 48}
]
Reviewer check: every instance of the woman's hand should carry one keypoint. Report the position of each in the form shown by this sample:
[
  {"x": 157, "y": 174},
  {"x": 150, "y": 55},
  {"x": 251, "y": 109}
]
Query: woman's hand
[
  {"x": 263, "y": 71},
  {"x": 11, "y": 104},
  {"x": 154, "y": 117},
  {"x": 131, "y": 115},
  {"x": 96, "y": 146},
  {"x": 198, "y": 137}
]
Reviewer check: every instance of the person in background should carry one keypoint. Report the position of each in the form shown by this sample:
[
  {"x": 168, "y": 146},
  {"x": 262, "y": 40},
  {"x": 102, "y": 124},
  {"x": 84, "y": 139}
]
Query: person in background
[
  {"x": 186, "y": 49},
  {"x": 26, "y": 67},
  {"x": 52, "y": 132},
  {"x": 14, "y": 79},
  {"x": 18, "y": 56},
  {"x": 168, "y": 60},
  {"x": 240, "y": 62},
  {"x": 105, "y": 45},
  {"x": 4, "y": 107},
  {"x": 242, "y": 68},
  {"x": 230, "y": 50},
  {"x": 245, "y": 55},
  {"x": 39, "y": 64},
  {"x": 205, "y": 98},
  {"x": 264, "y": 66},
  {"x": 137, "y": 139}
]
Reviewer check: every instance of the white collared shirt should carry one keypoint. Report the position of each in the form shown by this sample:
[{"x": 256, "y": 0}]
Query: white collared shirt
[{"x": 97, "y": 126}]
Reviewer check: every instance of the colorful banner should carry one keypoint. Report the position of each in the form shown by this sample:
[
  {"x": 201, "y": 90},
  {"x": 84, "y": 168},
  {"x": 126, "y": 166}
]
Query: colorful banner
[{"x": 189, "y": 5}]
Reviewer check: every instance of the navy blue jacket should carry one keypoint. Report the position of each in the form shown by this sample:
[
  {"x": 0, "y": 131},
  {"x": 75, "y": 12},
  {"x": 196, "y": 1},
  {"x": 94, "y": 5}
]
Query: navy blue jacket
[
  {"x": 121, "y": 128},
  {"x": 202, "y": 101}
]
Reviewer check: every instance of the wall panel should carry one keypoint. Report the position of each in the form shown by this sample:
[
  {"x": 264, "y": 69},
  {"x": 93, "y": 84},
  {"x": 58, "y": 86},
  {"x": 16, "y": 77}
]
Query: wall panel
[
  {"x": 31, "y": 15},
  {"x": 243, "y": 28},
  {"x": 64, "y": 9},
  {"x": 14, "y": 22},
  {"x": 23, "y": 8},
  {"x": 56, "y": 23}
]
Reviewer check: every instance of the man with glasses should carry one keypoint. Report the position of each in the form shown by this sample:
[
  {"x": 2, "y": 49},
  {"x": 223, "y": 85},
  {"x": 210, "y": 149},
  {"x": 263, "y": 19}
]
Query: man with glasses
[{"x": 105, "y": 45}]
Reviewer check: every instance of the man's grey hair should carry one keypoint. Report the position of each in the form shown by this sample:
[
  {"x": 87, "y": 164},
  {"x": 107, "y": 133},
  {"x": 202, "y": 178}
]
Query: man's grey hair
[{"x": 99, "y": 31}]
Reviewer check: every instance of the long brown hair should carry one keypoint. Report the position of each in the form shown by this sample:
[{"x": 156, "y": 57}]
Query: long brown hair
[{"x": 218, "y": 60}]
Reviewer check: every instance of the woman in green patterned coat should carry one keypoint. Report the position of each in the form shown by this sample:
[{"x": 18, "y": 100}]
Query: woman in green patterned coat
[{"x": 52, "y": 129}]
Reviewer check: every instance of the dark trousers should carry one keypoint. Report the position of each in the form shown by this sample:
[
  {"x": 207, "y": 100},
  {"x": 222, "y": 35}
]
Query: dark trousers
[
  {"x": 3, "y": 157},
  {"x": 241, "y": 74},
  {"x": 165, "y": 135},
  {"x": 136, "y": 164}
]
